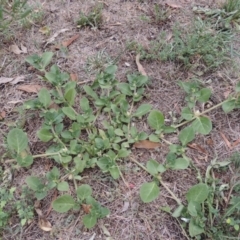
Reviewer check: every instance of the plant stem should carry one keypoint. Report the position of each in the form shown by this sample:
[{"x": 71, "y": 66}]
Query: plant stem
[
  {"x": 202, "y": 113},
  {"x": 56, "y": 136},
  {"x": 160, "y": 180}
]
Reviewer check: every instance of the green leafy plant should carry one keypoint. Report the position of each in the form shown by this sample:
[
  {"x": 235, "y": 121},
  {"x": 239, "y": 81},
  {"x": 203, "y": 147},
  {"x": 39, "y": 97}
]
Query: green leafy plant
[
  {"x": 201, "y": 48},
  {"x": 11, "y": 11},
  {"x": 92, "y": 19}
]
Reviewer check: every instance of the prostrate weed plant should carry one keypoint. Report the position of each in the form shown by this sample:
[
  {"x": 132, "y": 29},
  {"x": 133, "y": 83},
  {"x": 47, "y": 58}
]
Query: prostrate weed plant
[
  {"x": 201, "y": 47},
  {"x": 93, "y": 19},
  {"x": 99, "y": 133}
]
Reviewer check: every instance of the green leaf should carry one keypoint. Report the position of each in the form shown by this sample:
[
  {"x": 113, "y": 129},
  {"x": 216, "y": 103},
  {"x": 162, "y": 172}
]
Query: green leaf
[
  {"x": 111, "y": 69},
  {"x": 178, "y": 211},
  {"x": 46, "y": 58},
  {"x": 26, "y": 161},
  {"x": 205, "y": 94},
  {"x": 119, "y": 132},
  {"x": 17, "y": 140},
  {"x": 123, "y": 152},
  {"x": 194, "y": 229},
  {"x": 149, "y": 192},
  {"x": 228, "y": 106},
  {"x": 84, "y": 191},
  {"x": 44, "y": 135},
  {"x": 237, "y": 89},
  {"x": 63, "y": 186},
  {"x": 202, "y": 125},
  {"x": 70, "y": 96},
  {"x": 114, "y": 171},
  {"x": 142, "y": 110},
  {"x": 155, "y": 119},
  {"x": 34, "y": 183},
  {"x": 161, "y": 168},
  {"x": 63, "y": 203},
  {"x": 186, "y": 135},
  {"x": 90, "y": 92},
  {"x": 180, "y": 164},
  {"x": 125, "y": 89},
  {"x": 152, "y": 167},
  {"x": 89, "y": 220},
  {"x": 154, "y": 138},
  {"x": 69, "y": 112},
  {"x": 187, "y": 113},
  {"x": 194, "y": 208},
  {"x": 84, "y": 104},
  {"x": 198, "y": 193},
  {"x": 44, "y": 97}
]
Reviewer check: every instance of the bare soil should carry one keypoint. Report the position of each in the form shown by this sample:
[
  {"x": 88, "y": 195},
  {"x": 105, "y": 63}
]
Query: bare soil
[{"x": 122, "y": 22}]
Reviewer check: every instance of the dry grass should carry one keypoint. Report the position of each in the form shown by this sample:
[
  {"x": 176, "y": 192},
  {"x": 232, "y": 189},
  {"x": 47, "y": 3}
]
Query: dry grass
[{"x": 121, "y": 23}]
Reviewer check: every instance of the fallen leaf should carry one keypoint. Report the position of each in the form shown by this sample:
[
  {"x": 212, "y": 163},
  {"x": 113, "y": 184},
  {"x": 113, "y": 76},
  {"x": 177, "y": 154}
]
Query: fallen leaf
[
  {"x": 11, "y": 80},
  {"x": 146, "y": 144},
  {"x": 34, "y": 88},
  {"x": 86, "y": 208},
  {"x": 173, "y": 5},
  {"x": 24, "y": 49},
  {"x": 44, "y": 224},
  {"x": 17, "y": 80},
  {"x": 226, "y": 141},
  {"x": 2, "y": 115},
  {"x": 197, "y": 147},
  {"x": 39, "y": 212},
  {"x": 5, "y": 80},
  {"x": 15, "y": 49},
  {"x": 67, "y": 42},
  {"x": 125, "y": 207},
  {"x": 74, "y": 77},
  {"x": 236, "y": 143},
  {"x": 226, "y": 94},
  {"x": 51, "y": 39},
  {"x": 139, "y": 65},
  {"x": 210, "y": 142},
  {"x": 44, "y": 30},
  {"x": 54, "y": 106},
  {"x": 105, "y": 230}
]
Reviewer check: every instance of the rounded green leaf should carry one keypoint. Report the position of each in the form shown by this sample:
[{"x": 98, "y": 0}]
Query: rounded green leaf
[
  {"x": 34, "y": 183},
  {"x": 187, "y": 113},
  {"x": 149, "y": 192},
  {"x": 142, "y": 110},
  {"x": 194, "y": 228},
  {"x": 228, "y": 106},
  {"x": 202, "y": 125},
  {"x": 180, "y": 164},
  {"x": 84, "y": 104},
  {"x": 186, "y": 135},
  {"x": 205, "y": 94},
  {"x": 26, "y": 161},
  {"x": 152, "y": 167},
  {"x": 63, "y": 203},
  {"x": 89, "y": 220},
  {"x": 178, "y": 211},
  {"x": 198, "y": 193},
  {"x": 17, "y": 140},
  {"x": 84, "y": 191},
  {"x": 44, "y": 135},
  {"x": 63, "y": 186},
  {"x": 70, "y": 96},
  {"x": 44, "y": 97},
  {"x": 46, "y": 58},
  {"x": 155, "y": 119},
  {"x": 69, "y": 112}
]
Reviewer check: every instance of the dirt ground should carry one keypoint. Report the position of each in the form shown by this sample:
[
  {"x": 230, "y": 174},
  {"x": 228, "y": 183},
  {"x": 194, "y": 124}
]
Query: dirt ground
[{"x": 130, "y": 219}]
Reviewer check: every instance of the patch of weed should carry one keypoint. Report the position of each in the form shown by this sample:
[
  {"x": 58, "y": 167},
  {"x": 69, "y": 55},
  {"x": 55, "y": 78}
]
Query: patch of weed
[
  {"x": 200, "y": 46},
  {"x": 93, "y": 19}
]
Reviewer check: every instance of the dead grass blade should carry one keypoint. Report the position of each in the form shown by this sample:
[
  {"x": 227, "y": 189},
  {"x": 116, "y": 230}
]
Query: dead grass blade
[
  {"x": 173, "y": 4},
  {"x": 226, "y": 141},
  {"x": 12, "y": 81},
  {"x": 139, "y": 66}
]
